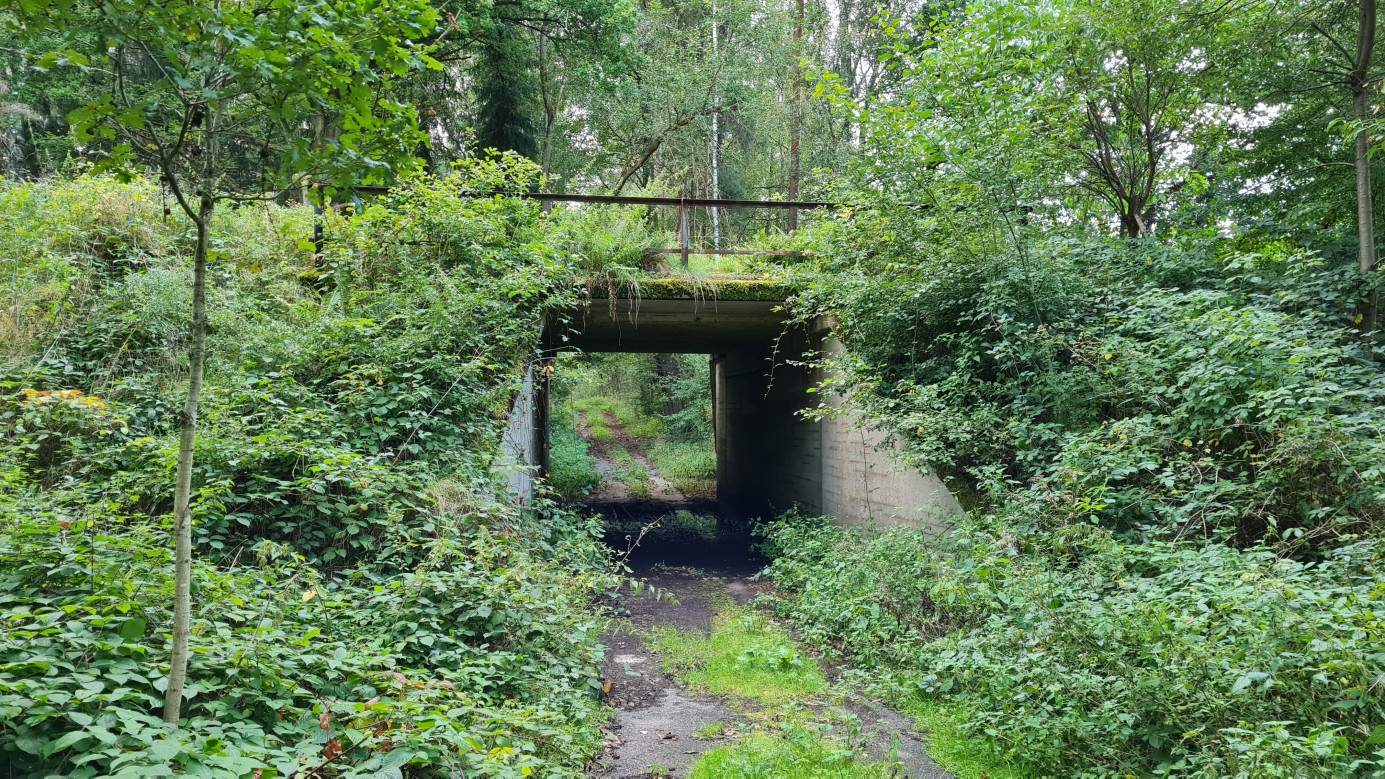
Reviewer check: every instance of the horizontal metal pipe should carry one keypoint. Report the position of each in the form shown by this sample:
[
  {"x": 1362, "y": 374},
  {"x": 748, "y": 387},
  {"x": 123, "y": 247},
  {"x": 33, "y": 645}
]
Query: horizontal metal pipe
[
  {"x": 726, "y": 251},
  {"x": 693, "y": 202}
]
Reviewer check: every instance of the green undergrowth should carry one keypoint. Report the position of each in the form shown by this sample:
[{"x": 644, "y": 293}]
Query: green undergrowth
[
  {"x": 366, "y": 599},
  {"x": 788, "y": 751},
  {"x": 950, "y": 745},
  {"x": 746, "y": 656},
  {"x": 778, "y": 689},
  {"x": 572, "y": 471},
  {"x": 632, "y": 421},
  {"x": 1198, "y": 655},
  {"x": 690, "y": 466},
  {"x": 636, "y": 478},
  {"x": 1171, "y": 564}
]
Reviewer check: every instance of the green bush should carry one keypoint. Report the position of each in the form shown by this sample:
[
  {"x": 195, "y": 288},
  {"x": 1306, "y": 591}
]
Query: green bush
[
  {"x": 431, "y": 669},
  {"x": 1171, "y": 453},
  {"x": 572, "y": 472},
  {"x": 603, "y": 238},
  {"x": 1109, "y": 658},
  {"x": 367, "y": 600}
]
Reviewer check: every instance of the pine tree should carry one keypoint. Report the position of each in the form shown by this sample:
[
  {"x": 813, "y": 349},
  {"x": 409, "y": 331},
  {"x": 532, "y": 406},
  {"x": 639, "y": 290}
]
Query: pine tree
[{"x": 506, "y": 90}]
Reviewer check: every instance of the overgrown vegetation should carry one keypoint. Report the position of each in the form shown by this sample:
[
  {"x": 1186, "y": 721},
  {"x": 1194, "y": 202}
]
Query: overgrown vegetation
[
  {"x": 1170, "y": 441},
  {"x": 778, "y": 688},
  {"x": 1105, "y": 270},
  {"x": 661, "y": 402},
  {"x": 1108, "y": 267},
  {"x": 365, "y": 598},
  {"x": 744, "y": 656}
]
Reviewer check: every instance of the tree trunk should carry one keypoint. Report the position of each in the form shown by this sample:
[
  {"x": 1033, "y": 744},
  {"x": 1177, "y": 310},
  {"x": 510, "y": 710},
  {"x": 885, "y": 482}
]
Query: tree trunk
[
  {"x": 796, "y": 114},
  {"x": 669, "y": 368},
  {"x": 716, "y": 140},
  {"x": 1365, "y": 208},
  {"x": 182, "y": 491}
]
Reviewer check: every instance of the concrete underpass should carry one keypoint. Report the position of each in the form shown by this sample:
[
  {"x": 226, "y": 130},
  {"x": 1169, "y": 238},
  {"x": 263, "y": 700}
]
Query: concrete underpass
[{"x": 769, "y": 457}]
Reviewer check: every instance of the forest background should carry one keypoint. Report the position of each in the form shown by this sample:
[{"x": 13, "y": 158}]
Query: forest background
[{"x": 1109, "y": 267}]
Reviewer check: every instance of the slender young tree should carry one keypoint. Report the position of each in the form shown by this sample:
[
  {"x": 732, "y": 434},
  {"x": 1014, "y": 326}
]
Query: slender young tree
[
  {"x": 1360, "y": 86},
  {"x": 192, "y": 82}
]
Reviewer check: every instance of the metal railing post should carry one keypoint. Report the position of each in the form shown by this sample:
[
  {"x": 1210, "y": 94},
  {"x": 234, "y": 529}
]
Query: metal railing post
[{"x": 684, "y": 236}]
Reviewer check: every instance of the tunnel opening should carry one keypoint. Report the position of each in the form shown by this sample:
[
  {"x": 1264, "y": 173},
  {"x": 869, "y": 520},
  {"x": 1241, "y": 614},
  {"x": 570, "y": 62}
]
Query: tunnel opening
[
  {"x": 632, "y": 439},
  {"x": 695, "y": 481},
  {"x": 761, "y": 372}
]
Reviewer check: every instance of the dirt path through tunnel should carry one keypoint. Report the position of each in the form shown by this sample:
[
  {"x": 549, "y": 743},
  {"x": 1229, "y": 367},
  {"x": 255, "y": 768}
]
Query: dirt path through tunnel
[
  {"x": 619, "y": 462},
  {"x": 663, "y": 726}
]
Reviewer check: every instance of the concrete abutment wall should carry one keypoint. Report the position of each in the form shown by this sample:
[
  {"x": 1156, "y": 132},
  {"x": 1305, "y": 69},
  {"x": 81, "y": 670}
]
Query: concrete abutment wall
[{"x": 770, "y": 457}]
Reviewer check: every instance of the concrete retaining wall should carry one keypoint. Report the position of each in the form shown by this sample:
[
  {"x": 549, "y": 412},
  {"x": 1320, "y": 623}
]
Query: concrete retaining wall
[
  {"x": 771, "y": 458},
  {"x": 522, "y": 441}
]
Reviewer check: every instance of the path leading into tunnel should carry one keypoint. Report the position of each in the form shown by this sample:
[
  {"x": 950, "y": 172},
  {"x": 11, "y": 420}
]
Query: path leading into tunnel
[
  {"x": 625, "y": 468},
  {"x": 664, "y": 724}
]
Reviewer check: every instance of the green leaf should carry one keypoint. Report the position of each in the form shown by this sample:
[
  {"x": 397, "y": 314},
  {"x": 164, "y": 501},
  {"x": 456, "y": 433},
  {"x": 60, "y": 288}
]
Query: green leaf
[
  {"x": 396, "y": 759},
  {"x": 165, "y": 749},
  {"x": 67, "y": 740},
  {"x": 133, "y": 628}
]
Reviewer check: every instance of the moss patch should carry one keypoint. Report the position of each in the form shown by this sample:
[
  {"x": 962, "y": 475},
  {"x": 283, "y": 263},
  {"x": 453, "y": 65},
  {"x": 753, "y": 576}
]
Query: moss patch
[{"x": 707, "y": 288}]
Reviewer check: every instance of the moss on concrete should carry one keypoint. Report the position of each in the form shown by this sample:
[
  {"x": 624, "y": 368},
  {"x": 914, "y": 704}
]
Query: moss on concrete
[{"x": 682, "y": 288}]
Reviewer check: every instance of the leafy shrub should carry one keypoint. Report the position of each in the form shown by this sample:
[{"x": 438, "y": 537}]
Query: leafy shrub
[
  {"x": 367, "y": 600},
  {"x": 603, "y": 238},
  {"x": 1170, "y": 448},
  {"x": 572, "y": 472},
  {"x": 1103, "y": 657},
  {"x": 294, "y": 672}
]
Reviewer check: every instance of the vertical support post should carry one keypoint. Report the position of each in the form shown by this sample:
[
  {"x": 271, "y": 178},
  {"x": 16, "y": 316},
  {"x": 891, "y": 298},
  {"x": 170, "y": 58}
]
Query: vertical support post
[
  {"x": 317, "y": 233},
  {"x": 719, "y": 431},
  {"x": 543, "y": 378},
  {"x": 684, "y": 236}
]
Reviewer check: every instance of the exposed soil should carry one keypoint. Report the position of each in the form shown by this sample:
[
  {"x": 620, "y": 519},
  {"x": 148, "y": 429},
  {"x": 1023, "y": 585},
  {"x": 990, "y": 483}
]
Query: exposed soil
[
  {"x": 611, "y": 487},
  {"x": 657, "y": 717}
]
